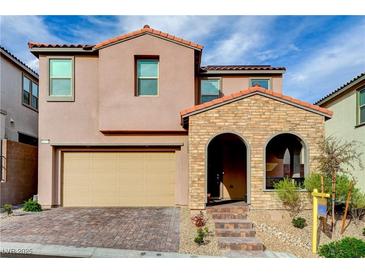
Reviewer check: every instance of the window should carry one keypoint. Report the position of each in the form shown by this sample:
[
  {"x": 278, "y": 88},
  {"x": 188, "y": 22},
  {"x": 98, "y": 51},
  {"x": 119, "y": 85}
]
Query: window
[
  {"x": 30, "y": 93},
  {"x": 362, "y": 106},
  {"x": 264, "y": 83},
  {"x": 285, "y": 158},
  {"x": 61, "y": 78},
  {"x": 209, "y": 89},
  {"x": 147, "y": 77}
]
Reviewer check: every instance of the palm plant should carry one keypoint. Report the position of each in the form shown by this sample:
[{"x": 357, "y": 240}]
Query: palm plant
[{"x": 338, "y": 156}]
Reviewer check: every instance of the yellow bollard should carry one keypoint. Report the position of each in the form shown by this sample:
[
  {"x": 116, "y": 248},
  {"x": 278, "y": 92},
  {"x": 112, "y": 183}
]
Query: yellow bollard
[
  {"x": 316, "y": 195},
  {"x": 315, "y": 221}
]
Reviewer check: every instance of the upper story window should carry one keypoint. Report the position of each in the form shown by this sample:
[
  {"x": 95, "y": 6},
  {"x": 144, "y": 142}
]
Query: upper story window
[
  {"x": 361, "y": 106},
  {"x": 30, "y": 93},
  {"x": 209, "y": 90},
  {"x": 147, "y": 77},
  {"x": 264, "y": 83},
  {"x": 61, "y": 79}
]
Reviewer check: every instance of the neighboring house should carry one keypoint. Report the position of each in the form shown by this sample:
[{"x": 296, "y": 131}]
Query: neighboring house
[
  {"x": 19, "y": 100},
  {"x": 18, "y": 129},
  {"x": 348, "y": 122},
  {"x": 136, "y": 121}
]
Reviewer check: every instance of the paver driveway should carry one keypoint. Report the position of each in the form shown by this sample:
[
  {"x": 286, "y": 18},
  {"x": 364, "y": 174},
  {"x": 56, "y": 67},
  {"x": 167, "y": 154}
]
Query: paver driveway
[{"x": 153, "y": 229}]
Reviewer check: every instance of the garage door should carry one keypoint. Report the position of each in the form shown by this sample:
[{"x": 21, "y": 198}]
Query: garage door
[{"x": 118, "y": 179}]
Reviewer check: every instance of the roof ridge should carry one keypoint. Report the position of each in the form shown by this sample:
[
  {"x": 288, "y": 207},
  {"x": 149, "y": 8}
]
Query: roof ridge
[
  {"x": 340, "y": 88},
  {"x": 148, "y": 29},
  {"x": 252, "y": 90},
  {"x": 18, "y": 60}
]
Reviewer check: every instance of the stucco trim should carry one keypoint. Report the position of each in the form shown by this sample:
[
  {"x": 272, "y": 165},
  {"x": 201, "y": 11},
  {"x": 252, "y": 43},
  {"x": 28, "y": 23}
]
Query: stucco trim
[
  {"x": 306, "y": 155},
  {"x": 248, "y": 163},
  {"x": 143, "y": 132}
]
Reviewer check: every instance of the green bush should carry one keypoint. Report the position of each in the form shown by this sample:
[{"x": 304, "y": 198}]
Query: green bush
[
  {"x": 201, "y": 234},
  {"x": 32, "y": 206},
  {"x": 299, "y": 222},
  {"x": 363, "y": 231},
  {"x": 287, "y": 191},
  {"x": 348, "y": 247},
  {"x": 313, "y": 181},
  {"x": 357, "y": 206},
  {"x": 8, "y": 208}
]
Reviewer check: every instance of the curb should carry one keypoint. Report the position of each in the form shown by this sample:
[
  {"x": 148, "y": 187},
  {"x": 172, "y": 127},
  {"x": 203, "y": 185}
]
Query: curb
[{"x": 29, "y": 249}]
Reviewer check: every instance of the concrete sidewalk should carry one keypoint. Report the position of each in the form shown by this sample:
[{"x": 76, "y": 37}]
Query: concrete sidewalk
[{"x": 15, "y": 249}]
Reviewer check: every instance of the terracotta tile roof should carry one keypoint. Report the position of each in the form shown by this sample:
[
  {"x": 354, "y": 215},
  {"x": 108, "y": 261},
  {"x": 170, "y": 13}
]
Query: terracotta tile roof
[
  {"x": 340, "y": 89},
  {"x": 148, "y": 29},
  {"x": 17, "y": 60},
  {"x": 241, "y": 67},
  {"x": 252, "y": 91},
  {"x": 44, "y": 45}
]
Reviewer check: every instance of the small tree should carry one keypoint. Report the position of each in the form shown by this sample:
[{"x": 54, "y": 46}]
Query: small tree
[{"x": 338, "y": 156}]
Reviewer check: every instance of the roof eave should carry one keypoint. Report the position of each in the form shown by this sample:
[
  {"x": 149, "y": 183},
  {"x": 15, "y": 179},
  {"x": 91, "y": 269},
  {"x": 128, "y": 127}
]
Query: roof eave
[
  {"x": 340, "y": 91},
  {"x": 37, "y": 50},
  {"x": 326, "y": 115},
  {"x": 18, "y": 63},
  {"x": 242, "y": 72}
]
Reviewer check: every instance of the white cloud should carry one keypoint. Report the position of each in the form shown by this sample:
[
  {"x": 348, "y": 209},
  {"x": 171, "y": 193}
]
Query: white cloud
[
  {"x": 333, "y": 63},
  {"x": 241, "y": 37},
  {"x": 17, "y": 31}
]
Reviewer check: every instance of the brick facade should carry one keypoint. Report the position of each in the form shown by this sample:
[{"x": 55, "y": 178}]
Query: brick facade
[{"x": 256, "y": 119}]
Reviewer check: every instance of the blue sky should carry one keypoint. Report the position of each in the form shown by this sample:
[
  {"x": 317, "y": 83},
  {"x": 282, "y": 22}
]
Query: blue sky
[{"x": 320, "y": 52}]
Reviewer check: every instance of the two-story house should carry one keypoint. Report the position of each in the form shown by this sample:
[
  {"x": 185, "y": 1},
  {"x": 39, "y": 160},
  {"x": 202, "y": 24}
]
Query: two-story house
[
  {"x": 18, "y": 129},
  {"x": 137, "y": 121},
  {"x": 348, "y": 122}
]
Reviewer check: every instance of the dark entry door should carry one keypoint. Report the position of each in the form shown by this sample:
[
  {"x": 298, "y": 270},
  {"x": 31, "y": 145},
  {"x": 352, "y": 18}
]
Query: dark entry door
[{"x": 215, "y": 171}]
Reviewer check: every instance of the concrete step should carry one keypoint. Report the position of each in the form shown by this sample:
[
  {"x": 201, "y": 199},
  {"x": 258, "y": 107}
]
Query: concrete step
[
  {"x": 232, "y": 224},
  {"x": 235, "y": 232},
  {"x": 225, "y": 209},
  {"x": 228, "y": 215},
  {"x": 237, "y": 243}
]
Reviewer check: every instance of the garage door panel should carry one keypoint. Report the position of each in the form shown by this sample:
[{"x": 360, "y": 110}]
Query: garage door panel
[{"x": 118, "y": 179}]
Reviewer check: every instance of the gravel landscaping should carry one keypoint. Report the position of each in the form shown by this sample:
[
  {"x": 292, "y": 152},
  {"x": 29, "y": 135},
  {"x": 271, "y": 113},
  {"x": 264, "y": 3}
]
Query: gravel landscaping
[
  {"x": 188, "y": 233},
  {"x": 276, "y": 231}
]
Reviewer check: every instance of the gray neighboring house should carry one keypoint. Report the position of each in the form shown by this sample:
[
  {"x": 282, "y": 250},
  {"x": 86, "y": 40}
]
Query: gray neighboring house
[
  {"x": 18, "y": 100},
  {"x": 348, "y": 120},
  {"x": 18, "y": 129}
]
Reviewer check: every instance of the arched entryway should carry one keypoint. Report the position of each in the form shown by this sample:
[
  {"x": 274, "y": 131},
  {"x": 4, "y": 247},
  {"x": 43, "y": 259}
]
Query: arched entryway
[
  {"x": 226, "y": 168},
  {"x": 286, "y": 157}
]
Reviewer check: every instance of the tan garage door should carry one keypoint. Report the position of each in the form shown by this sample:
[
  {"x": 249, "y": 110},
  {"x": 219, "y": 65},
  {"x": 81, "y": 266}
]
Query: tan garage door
[{"x": 118, "y": 179}]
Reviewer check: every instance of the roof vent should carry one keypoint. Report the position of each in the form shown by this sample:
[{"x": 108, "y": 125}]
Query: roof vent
[{"x": 146, "y": 26}]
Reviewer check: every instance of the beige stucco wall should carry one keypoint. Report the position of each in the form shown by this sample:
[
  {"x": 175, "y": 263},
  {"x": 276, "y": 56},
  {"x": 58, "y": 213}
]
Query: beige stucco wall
[
  {"x": 232, "y": 84},
  {"x": 119, "y": 108},
  {"x": 256, "y": 119},
  {"x": 343, "y": 126},
  {"x": 104, "y": 99},
  {"x": 25, "y": 119}
]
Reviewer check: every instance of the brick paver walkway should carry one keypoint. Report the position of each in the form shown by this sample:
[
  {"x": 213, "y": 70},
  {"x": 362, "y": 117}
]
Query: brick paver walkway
[{"x": 151, "y": 229}]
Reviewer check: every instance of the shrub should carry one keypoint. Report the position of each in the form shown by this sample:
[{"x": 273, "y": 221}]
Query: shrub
[
  {"x": 8, "y": 208},
  {"x": 32, "y": 206},
  {"x": 287, "y": 192},
  {"x": 358, "y": 204},
  {"x": 201, "y": 234},
  {"x": 199, "y": 220},
  {"x": 313, "y": 181},
  {"x": 348, "y": 247},
  {"x": 363, "y": 231},
  {"x": 299, "y": 222}
]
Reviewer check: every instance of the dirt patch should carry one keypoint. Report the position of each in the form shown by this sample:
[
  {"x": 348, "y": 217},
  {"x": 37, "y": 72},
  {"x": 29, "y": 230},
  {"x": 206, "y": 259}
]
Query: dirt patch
[
  {"x": 275, "y": 230},
  {"x": 188, "y": 233}
]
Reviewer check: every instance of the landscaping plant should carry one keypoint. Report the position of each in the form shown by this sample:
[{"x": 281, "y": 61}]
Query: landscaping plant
[
  {"x": 299, "y": 222},
  {"x": 363, "y": 231},
  {"x": 32, "y": 206},
  {"x": 347, "y": 247},
  {"x": 357, "y": 207},
  {"x": 337, "y": 156},
  {"x": 8, "y": 208},
  {"x": 200, "y": 221},
  {"x": 287, "y": 191}
]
